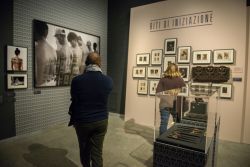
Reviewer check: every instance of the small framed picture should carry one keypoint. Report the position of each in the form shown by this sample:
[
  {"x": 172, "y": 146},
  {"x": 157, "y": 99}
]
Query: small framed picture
[
  {"x": 170, "y": 46},
  {"x": 142, "y": 87},
  {"x": 154, "y": 72},
  {"x": 139, "y": 72},
  {"x": 202, "y": 57},
  {"x": 225, "y": 90},
  {"x": 152, "y": 87},
  {"x": 17, "y": 81},
  {"x": 168, "y": 60},
  {"x": 142, "y": 59},
  {"x": 184, "y": 53},
  {"x": 200, "y": 88},
  {"x": 66, "y": 79},
  {"x": 156, "y": 57},
  {"x": 184, "y": 91},
  {"x": 185, "y": 71},
  {"x": 224, "y": 56},
  {"x": 17, "y": 58}
]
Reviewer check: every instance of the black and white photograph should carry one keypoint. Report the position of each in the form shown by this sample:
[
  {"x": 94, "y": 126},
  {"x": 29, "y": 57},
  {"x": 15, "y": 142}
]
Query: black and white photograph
[
  {"x": 225, "y": 90},
  {"x": 17, "y": 81},
  {"x": 152, "y": 87},
  {"x": 17, "y": 58},
  {"x": 142, "y": 87},
  {"x": 185, "y": 72},
  {"x": 156, "y": 57},
  {"x": 170, "y": 46},
  {"x": 224, "y": 56},
  {"x": 202, "y": 57},
  {"x": 142, "y": 59},
  {"x": 154, "y": 72},
  {"x": 184, "y": 91},
  {"x": 139, "y": 72},
  {"x": 60, "y": 52},
  {"x": 167, "y": 61},
  {"x": 184, "y": 53}
]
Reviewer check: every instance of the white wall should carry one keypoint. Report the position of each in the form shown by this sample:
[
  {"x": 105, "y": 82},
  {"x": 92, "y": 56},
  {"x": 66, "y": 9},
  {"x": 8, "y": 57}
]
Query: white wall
[
  {"x": 227, "y": 31},
  {"x": 246, "y": 134}
]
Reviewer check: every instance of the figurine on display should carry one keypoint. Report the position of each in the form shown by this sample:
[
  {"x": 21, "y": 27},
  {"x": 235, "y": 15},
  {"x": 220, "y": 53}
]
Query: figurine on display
[{"x": 171, "y": 83}]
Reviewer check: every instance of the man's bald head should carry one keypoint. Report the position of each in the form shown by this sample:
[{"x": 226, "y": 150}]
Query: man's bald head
[{"x": 93, "y": 58}]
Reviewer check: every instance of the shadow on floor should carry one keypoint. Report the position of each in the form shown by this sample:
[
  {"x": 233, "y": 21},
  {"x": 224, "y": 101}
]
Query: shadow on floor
[
  {"x": 43, "y": 156},
  {"x": 146, "y": 132}
]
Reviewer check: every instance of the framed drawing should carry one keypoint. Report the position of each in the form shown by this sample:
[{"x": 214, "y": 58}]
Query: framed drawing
[
  {"x": 202, "y": 57},
  {"x": 184, "y": 53},
  {"x": 17, "y": 81},
  {"x": 225, "y": 90},
  {"x": 17, "y": 58},
  {"x": 139, "y": 72},
  {"x": 185, "y": 71},
  {"x": 167, "y": 61},
  {"x": 170, "y": 46},
  {"x": 142, "y": 59},
  {"x": 184, "y": 91},
  {"x": 62, "y": 53},
  {"x": 156, "y": 56},
  {"x": 152, "y": 87},
  {"x": 154, "y": 72},
  {"x": 224, "y": 56},
  {"x": 142, "y": 87}
]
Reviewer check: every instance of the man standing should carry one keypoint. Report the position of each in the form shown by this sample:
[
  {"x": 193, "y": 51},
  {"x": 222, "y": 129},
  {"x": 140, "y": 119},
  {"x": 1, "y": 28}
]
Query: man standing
[
  {"x": 64, "y": 57},
  {"x": 88, "y": 110},
  {"x": 16, "y": 62}
]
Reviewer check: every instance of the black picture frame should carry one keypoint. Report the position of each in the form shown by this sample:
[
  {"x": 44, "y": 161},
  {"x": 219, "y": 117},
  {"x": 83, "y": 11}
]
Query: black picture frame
[
  {"x": 224, "y": 56},
  {"x": 167, "y": 60},
  {"x": 143, "y": 59},
  {"x": 152, "y": 87},
  {"x": 17, "y": 58},
  {"x": 139, "y": 72},
  {"x": 201, "y": 57},
  {"x": 185, "y": 72},
  {"x": 184, "y": 54},
  {"x": 142, "y": 87},
  {"x": 170, "y": 46},
  {"x": 53, "y": 58},
  {"x": 17, "y": 81},
  {"x": 156, "y": 57},
  {"x": 225, "y": 90},
  {"x": 154, "y": 72}
]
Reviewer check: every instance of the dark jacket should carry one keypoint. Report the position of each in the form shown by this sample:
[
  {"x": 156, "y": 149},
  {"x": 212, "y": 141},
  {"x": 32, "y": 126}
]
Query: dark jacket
[
  {"x": 89, "y": 96},
  {"x": 169, "y": 83}
]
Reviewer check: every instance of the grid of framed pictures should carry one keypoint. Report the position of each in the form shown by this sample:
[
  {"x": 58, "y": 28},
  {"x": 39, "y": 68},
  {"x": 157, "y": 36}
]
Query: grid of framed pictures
[
  {"x": 16, "y": 67},
  {"x": 151, "y": 66}
]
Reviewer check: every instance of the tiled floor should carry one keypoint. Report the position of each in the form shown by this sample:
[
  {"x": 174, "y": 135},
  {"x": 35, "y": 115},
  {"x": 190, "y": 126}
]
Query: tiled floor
[{"x": 126, "y": 145}]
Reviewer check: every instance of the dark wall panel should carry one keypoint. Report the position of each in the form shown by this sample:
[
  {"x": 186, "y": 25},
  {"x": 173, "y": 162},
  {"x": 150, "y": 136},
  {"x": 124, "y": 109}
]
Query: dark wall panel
[
  {"x": 118, "y": 36},
  {"x": 7, "y": 113}
]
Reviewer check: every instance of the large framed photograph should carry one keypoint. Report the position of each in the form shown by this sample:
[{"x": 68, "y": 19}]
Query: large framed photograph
[
  {"x": 184, "y": 53},
  {"x": 17, "y": 58},
  {"x": 224, "y": 56},
  {"x": 17, "y": 81},
  {"x": 154, "y": 72},
  {"x": 152, "y": 87},
  {"x": 142, "y": 87},
  {"x": 225, "y": 90},
  {"x": 202, "y": 57},
  {"x": 184, "y": 91},
  {"x": 139, "y": 72},
  {"x": 60, "y": 53},
  {"x": 170, "y": 46},
  {"x": 156, "y": 57},
  {"x": 142, "y": 59},
  {"x": 185, "y": 72},
  {"x": 168, "y": 60}
]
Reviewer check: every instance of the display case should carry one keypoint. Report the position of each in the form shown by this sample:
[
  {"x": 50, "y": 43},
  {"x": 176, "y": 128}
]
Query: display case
[{"x": 189, "y": 139}]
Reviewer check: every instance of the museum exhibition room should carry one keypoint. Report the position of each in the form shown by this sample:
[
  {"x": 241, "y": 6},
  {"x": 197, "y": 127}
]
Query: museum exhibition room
[{"x": 132, "y": 83}]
